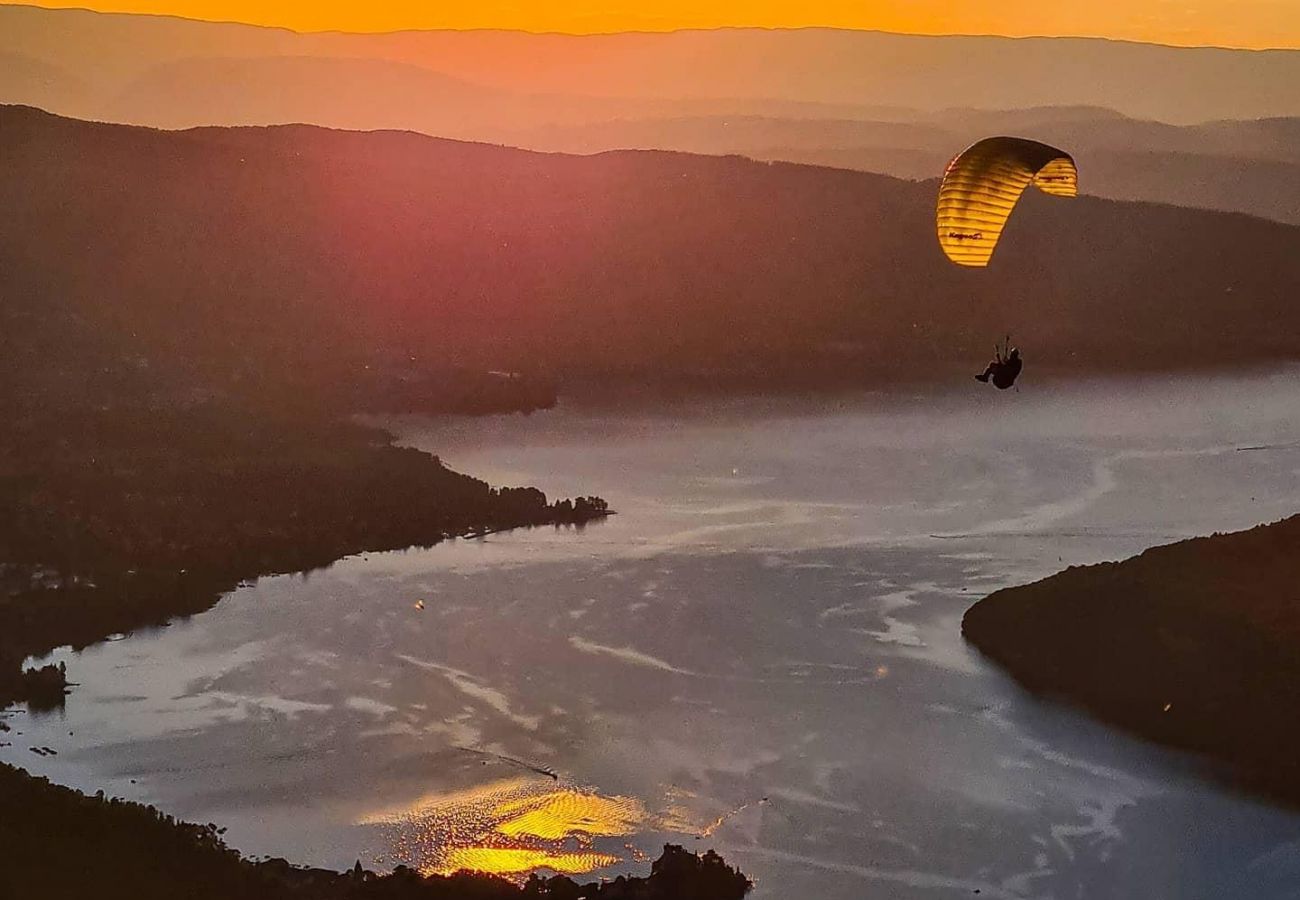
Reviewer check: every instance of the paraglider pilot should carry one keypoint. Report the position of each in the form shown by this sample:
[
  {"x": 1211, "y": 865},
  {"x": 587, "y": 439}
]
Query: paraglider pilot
[{"x": 1004, "y": 369}]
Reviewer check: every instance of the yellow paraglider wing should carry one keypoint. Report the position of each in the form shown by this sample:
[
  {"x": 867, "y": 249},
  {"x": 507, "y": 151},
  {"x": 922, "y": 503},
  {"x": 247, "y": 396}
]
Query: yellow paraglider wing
[{"x": 982, "y": 186}]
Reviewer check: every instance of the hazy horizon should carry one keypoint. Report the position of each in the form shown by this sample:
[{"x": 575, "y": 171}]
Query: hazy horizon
[
  {"x": 234, "y": 12},
  {"x": 152, "y": 70}
]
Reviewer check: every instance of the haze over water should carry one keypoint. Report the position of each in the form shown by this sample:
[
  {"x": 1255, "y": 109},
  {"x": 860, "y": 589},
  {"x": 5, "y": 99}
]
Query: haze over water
[{"x": 762, "y": 648}]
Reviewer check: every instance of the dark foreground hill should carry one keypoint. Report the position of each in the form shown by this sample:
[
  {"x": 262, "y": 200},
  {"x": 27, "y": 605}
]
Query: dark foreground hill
[
  {"x": 304, "y": 261},
  {"x": 1192, "y": 645}
]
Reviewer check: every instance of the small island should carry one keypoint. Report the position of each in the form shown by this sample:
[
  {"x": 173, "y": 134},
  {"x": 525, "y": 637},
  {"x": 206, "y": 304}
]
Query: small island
[{"x": 1192, "y": 645}]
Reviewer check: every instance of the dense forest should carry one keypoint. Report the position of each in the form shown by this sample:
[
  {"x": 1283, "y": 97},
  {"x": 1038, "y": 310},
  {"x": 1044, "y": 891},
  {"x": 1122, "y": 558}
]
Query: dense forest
[
  {"x": 122, "y": 518},
  {"x": 297, "y": 264},
  {"x": 1191, "y": 644}
]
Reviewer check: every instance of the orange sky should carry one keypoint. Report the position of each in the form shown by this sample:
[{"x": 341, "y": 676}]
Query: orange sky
[{"x": 1234, "y": 23}]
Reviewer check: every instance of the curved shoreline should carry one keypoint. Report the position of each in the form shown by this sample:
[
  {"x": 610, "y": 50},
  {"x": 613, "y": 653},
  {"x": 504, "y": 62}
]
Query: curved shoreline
[
  {"x": 1193, "y": 645},
  {"x": 214, "y": 500},
  {"x": 66, "y": 844}
]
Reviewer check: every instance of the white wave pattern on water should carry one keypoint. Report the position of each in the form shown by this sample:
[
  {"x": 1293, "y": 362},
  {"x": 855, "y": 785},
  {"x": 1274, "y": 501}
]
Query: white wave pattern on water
[
  {"x": 369, "y": 705},
  {"x": 892, "y": 769},
  {"x": 1104, "y": 480},
  {"x": 908, "y": 877},
  {"x": 281, "y": 705},
  {"x": 471, "y": 687},
  {"x": 628, "y": 655}
]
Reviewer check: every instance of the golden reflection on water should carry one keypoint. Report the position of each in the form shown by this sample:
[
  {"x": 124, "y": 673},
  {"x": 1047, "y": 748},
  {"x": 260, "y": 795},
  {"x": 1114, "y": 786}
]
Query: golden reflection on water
[
  {"x": 510, "y": 828},
  {"x": 502, "y": 861}
]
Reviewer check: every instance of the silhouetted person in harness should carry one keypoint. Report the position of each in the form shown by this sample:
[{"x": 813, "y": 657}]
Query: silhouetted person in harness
[{"x": 1004, "y": 369}]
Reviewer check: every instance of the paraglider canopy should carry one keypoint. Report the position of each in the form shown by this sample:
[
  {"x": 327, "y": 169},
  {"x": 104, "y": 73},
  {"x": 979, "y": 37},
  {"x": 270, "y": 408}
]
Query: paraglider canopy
[{"x": 983, "y": 184}]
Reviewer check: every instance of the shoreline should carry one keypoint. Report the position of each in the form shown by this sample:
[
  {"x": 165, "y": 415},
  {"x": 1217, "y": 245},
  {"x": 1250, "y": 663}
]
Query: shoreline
[
  {"x": 176, "y": 510},
  {"x": 68, "y": 844},
  {"x": 1190, "y": 645},
  {"x": 121, "y": 519},
  {"x": 615, "y": 390}
]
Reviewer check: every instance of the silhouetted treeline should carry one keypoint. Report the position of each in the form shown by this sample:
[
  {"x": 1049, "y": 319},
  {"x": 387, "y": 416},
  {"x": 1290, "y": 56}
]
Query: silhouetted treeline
[
  {"x": 213, "y": 486},
  {"x": 580, "y": 509},
  {"x": 55, "y": 842},
  {"x": 1192, "y": 644}
]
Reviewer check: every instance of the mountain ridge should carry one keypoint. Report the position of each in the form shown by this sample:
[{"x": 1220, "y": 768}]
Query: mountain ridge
[
  {"x": 823, "y": 65},
  {"x": 651, "y": 31},
  {"x": 295, "y": 261}
]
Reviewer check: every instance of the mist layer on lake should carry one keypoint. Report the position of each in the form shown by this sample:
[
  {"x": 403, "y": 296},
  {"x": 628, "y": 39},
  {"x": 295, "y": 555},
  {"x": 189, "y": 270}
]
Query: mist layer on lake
[{"x": 760, "y": 654}]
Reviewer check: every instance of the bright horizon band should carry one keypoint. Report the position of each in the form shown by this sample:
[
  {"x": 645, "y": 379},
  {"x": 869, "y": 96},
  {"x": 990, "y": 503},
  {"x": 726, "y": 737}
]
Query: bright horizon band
[{"x": 1254, "y": 24}]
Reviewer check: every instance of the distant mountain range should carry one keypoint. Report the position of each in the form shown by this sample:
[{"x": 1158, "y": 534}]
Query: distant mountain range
[
  {"x": 1236, "y": 166},
  {"x": 900, "y": 105},
  {"x": 104, "y": 55},
  {"x": 296, "y": 258},
  {"x": 1085, "y": 130}
]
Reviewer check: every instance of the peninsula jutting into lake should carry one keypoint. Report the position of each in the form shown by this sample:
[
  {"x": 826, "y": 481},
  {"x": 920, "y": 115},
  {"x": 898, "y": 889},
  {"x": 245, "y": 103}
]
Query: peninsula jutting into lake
[{"x": 1192, "y": 645}]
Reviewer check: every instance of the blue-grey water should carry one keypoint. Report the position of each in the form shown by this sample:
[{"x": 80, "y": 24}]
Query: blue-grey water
[{"x": 760, "y": 653}]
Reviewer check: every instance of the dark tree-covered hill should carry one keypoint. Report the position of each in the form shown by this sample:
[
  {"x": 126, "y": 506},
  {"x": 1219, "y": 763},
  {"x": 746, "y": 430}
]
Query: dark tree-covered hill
[{"x": 287, "y": 258}]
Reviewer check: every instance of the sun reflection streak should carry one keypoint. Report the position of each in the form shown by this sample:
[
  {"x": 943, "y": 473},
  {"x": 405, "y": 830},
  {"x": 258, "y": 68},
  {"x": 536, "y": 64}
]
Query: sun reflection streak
[
  {"x": 563, "y": 813},
  {"x": 514, "y": 861},
  {"x": 510, "y": 828}
]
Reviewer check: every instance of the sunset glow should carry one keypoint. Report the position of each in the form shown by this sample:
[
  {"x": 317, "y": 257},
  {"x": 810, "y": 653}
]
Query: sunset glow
[
  {"x": 1229, "y": 23},
  {"x": 511, "y": 827}
]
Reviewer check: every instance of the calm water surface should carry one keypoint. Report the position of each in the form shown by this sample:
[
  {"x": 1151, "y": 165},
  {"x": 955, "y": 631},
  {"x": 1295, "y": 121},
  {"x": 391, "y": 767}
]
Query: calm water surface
[{"x": 760, "y": 654}]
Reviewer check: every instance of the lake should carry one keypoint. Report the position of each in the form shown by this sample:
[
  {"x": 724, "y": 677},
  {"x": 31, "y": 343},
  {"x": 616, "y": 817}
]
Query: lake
[{"x": 760, "y": 653}]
